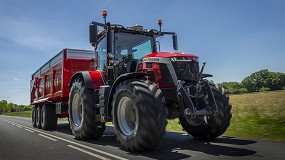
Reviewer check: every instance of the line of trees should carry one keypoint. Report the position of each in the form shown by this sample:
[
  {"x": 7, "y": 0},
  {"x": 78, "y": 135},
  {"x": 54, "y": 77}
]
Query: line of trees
[
  {"x": 6, "y": 107},
  {"x": 260, "y": 81}
]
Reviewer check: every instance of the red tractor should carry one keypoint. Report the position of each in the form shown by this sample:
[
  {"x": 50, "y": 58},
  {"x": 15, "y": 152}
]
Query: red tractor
[{"x": 138, "y": 88}]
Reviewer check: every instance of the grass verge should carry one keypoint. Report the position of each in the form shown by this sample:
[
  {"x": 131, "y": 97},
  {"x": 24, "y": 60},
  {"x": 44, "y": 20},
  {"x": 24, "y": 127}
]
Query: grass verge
[{"x": 20, "y": 114}]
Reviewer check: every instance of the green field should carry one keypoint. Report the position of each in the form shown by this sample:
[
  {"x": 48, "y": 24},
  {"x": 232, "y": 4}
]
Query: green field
[
  {"x": 258, "y": 115},
  {"x": 255, "y": 115}
]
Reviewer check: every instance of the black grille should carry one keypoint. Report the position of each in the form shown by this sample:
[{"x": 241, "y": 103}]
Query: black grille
[
  {"x": 186, "y": 70},
  {"x": 166, "y": 76}
]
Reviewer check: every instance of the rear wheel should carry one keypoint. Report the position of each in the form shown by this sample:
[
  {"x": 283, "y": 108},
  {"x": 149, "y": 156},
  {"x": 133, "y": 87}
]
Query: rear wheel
[
  {"x": 49, "y": 119},
  {"x": 138, "y": 115},
  {"x": 38, "y": 117},
  {"x": 34, "y": 115},
  {"x": 216, "y": 125},
  {"x": 82, "y": 112}
]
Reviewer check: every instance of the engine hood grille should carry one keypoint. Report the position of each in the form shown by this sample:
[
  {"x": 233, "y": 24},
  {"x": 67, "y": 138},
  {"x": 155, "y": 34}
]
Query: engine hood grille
[{"x": 186, "y": 70}]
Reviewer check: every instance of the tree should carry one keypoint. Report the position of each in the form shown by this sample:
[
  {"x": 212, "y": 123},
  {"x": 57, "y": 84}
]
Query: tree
[{"x": 264, "y": 79}]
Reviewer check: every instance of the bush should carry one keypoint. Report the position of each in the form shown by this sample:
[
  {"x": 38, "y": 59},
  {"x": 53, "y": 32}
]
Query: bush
[
  {"x": 243, "y": 90},
  {"x": 264, "y": 89}
]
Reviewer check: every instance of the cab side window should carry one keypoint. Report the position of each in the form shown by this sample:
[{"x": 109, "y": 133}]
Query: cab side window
[{"x": 101, "y": 54}]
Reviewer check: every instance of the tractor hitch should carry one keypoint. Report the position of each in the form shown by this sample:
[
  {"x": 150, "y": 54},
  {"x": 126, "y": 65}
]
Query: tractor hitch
[{"x": 185, "y": 101}]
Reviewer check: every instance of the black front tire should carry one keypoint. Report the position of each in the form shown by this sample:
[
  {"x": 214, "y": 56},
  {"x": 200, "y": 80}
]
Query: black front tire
[
  {"x": 139, "y": 116},
  {"x": 38, "y": 117},
  {"x": 82, "y": 112},
  {"x": 216, "y": 125},
  {"x": 49, "y": 119},
  {"x": 34, "y": 116}
]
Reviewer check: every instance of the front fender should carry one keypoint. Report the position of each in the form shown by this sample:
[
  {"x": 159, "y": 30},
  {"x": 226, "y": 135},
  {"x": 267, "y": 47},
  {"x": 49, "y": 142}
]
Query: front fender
[{"x": 92, "y": 79}]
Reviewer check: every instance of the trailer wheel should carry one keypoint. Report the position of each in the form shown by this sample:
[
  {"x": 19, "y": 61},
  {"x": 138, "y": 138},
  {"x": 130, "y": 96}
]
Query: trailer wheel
[
  {"x": 216, "y": 125},
  {"x": 82, "y": 112},
  {"x": 138, "y": 115},
  {"x": 49, "y": 119},
  {"x": 38, "y": 117},
  {"x": 34, "y": 115}
]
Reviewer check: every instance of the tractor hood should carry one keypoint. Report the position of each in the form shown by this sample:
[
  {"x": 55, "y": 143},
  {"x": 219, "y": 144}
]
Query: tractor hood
[{"x": 170, "y": 54}]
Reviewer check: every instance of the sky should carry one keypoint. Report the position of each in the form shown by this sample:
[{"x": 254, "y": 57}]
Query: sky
[{"x": 235, "y": 38}]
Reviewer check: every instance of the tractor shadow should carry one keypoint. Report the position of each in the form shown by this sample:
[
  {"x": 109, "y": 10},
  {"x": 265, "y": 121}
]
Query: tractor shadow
[{"x": 175, "y": 145}]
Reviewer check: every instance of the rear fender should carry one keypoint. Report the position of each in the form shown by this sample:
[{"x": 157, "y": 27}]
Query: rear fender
[{"x": 92, "y": 79}]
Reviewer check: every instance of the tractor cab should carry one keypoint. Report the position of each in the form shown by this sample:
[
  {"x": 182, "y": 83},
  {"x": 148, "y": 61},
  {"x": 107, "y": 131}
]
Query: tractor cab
[{"x": 121, "y": 49}]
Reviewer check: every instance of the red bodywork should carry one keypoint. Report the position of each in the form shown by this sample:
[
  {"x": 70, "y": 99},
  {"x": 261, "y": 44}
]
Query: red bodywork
[
  {"x": 170, "y": 54},
  {"x": 50, "y": 83},
  {"x": 156, "y": 69}
]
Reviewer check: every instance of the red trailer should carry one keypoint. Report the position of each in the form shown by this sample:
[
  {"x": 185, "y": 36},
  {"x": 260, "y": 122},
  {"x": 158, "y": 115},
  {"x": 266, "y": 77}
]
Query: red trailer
[{"x": 50, "y": 84}]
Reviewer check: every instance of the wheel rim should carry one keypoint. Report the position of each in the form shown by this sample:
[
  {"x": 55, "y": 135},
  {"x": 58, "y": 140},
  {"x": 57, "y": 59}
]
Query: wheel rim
[
  {"x": 77, "y": 109},
  {"x": 127, "y": 118}
]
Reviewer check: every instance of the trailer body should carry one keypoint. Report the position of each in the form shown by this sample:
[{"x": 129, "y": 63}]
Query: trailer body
[{"x": 50, "y": 83}]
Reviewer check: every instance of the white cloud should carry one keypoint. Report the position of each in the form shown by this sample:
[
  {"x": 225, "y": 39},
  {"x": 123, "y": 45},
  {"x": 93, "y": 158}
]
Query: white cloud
[
  {"x": 15, "y": 79},
  {"x": 27, "y": 32}
]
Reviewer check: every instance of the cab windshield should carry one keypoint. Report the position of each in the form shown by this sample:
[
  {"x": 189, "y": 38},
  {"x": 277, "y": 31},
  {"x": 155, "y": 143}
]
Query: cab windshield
[{"x": 133, "y": 46}]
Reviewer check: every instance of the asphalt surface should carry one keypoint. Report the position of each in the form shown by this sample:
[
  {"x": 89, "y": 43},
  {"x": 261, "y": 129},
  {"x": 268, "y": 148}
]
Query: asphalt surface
[{"x": 20, "y": 141}]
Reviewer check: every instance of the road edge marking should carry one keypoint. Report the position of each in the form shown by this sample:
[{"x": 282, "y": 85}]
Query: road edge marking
[
  {"x": 78, "y": 144},
  {"x": 47, "y": 137},
  {"x": 87, "y": 152}
]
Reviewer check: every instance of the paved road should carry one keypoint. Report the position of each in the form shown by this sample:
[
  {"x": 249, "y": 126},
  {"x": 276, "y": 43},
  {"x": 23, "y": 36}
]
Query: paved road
[{"x": 20, "y": 141}]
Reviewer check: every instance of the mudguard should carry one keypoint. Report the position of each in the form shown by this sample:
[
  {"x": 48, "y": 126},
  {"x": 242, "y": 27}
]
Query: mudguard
[{"x": 92, "y": 79}]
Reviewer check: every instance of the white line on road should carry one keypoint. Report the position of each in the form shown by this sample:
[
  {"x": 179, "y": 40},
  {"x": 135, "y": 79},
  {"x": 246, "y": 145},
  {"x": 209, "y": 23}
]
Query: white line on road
[
  {"x": 19, "y": 126},
  {"x": 78, "y": 144},
  {"x": 28, "y": 130},
  {"x": 87, "y": 152},
  {"x": 47, "y": 137}
]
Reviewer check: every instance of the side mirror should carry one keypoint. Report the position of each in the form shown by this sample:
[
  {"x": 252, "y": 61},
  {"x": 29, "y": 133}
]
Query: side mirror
[
  {"x": 175, "y": 43},
  {"x": 93, "y": 34}
]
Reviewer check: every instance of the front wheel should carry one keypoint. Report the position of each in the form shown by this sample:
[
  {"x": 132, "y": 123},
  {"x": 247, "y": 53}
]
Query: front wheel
[
  {"x": 138, "y": 115},
  {"x": 215, "y": 125}
]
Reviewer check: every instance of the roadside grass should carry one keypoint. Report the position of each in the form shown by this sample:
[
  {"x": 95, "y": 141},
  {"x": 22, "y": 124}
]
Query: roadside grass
[
  {"x": 258, "y": 115},
  {"x": 20, "y": 114},
  {"x": 255, "y": 115}
]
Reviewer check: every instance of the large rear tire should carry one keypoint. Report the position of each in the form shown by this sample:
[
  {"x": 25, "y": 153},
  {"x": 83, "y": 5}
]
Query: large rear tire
[
  {"x": 82, "y": 112},
  {"x": 49, "y": 119},
  {"x": 216, "y": 125},
  {"x": 38, "y": 117},
  {"x": 34, "y": 116},
  {"x": 138, "y": 115}
]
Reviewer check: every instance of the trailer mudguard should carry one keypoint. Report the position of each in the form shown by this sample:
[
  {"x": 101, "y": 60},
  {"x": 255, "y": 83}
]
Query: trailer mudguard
[{"x": 92, "y": 79}]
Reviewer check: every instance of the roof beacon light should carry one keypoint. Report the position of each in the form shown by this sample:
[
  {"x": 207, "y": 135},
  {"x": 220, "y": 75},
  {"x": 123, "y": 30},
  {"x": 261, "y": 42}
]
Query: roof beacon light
[
  {"x": 104, "y": 14},
  {"x": 159, "y": 22}
]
